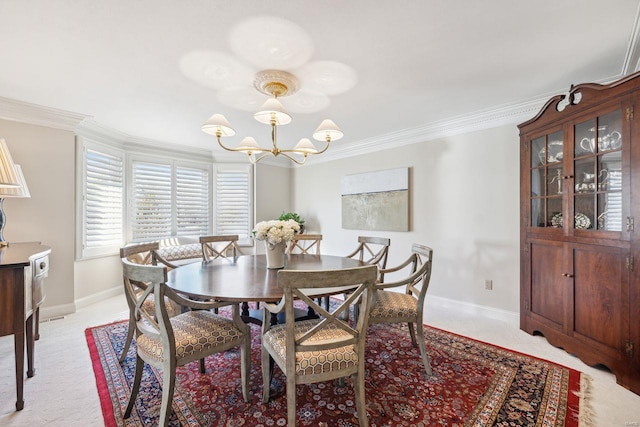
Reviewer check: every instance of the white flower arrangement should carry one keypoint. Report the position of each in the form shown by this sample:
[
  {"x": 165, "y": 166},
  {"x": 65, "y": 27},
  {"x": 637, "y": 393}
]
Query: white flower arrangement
[{"x": 276, "y": 231}]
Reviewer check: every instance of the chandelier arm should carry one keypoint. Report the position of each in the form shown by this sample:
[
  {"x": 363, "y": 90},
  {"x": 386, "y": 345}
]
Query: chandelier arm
[
  {"x": 225, "y": 147},
  {"x": 293, "y": 159},
  {"x": 256, "y": 159}
]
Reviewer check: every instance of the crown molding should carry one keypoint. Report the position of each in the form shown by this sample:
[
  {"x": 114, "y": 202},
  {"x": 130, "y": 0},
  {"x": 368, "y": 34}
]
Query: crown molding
[
  {"x": 631, "y": 61},
  {"x": 93, "y": 130},
  {"x": 24, "y": 112},
  {"x": 504, "y": 115}
]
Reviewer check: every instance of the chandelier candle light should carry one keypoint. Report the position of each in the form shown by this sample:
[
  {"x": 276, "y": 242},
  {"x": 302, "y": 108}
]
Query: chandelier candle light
[{"x": 274, "y": 83}]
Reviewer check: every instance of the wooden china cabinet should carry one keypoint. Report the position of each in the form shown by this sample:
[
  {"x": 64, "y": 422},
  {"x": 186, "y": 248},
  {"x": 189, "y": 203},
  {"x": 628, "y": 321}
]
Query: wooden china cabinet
[{"x": 580, "y": 246}]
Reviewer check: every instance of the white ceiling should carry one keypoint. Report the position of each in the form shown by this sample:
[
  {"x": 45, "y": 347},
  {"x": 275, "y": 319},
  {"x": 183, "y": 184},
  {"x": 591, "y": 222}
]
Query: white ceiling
[{"x": 419, "y": 63}]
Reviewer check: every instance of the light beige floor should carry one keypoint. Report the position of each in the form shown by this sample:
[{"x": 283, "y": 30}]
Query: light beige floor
[{"x": 63, "y": 391}]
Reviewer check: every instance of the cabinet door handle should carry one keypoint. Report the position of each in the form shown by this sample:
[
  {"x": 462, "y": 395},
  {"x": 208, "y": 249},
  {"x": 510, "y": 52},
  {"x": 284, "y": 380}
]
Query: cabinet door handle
[
  {"x": 567, "y": 275},
  {"x": 567, "y": 177}
]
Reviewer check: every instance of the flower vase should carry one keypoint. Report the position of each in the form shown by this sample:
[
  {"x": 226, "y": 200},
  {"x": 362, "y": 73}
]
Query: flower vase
[{"x": 275, "y": 254}]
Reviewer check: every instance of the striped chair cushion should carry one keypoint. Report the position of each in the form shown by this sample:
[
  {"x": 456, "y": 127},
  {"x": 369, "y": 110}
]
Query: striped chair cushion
[
  {"x": 394, "y": 305},
  {"x": 194, "y": 331},
  {"x": 313, "y": 362}
]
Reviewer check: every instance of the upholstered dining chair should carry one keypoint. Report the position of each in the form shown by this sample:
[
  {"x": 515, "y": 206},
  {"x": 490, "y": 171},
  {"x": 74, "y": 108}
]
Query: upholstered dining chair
[
  {"x": 397, "y": 307},
  {"x": 373, "y": 250},
  {"x": 142, "y": 254},
  {"x": 311, "y": 351},
  {"x": 305, "y": 244},
  {"x": 221, "y": 246},
  {"x": 166, "y": 343}
]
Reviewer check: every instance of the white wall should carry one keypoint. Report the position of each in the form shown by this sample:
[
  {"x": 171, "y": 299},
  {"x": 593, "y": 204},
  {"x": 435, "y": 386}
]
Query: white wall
[
  {"x": 272, "y": 194},
  {"x": 464, "y": 203},
  {"x": 47, "y": 159}
]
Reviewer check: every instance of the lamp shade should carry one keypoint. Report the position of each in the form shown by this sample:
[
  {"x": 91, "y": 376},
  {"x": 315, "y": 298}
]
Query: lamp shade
[
  {"x": 249, "y": 144},
  {"x": 305, "y": 146},
  {"x": 328, "y": 131},
  {"x": 218, "y": 124},
  {"x": 272, "y": 109},
  {"x": 8, "y": 173},
  {"x": 21, "y": 191}
]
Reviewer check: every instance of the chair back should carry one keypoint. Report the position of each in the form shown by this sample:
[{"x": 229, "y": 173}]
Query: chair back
[
  {"x": 305, "y": 244},
  {"x": 156, "y": 322},
  {"x": 417, "y": 282},
  {"x": 373, "y": 250},
  {"x": 222, "y": 246},
  {"x": 140, "y": 253},
  {"x": 300, "y": 284}
]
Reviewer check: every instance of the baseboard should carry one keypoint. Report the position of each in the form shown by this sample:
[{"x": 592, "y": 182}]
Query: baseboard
[
  {"x": 57, "y": 311},
  {"x": 472, "y": 309},
  {"x": 100, "y": 296}
]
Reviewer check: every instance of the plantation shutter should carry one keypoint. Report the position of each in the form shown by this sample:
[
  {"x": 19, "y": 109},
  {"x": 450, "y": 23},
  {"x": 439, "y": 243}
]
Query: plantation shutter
[
  {"x": 151, "y": 213},
  {"x": 233, "y": 210},
  {"x": 103, "y": 202},
  {"x": 192, "y": 201}
]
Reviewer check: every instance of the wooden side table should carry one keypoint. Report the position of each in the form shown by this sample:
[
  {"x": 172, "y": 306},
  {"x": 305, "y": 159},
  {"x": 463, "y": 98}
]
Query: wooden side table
[{"x": 16, "y": 304}]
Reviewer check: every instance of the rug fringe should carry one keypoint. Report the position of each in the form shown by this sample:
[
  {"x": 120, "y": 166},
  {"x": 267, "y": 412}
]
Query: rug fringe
[{"x": 586, "y": 415}]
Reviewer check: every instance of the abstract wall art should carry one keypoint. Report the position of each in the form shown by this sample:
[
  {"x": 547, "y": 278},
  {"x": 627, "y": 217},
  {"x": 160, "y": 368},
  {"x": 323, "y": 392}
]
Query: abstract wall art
[{"x": 376, "y": 200}]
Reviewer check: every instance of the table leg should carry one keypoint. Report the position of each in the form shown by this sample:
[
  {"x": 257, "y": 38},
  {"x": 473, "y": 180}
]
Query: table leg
[
  {"x": 18, "y": 339},
  {"x": 30, "y": 345},
  {"x": 245, "y": 309}
]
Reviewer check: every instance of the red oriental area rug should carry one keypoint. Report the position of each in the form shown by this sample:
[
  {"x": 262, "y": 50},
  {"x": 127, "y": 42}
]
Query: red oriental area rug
[{"x": 473, "y": 384}]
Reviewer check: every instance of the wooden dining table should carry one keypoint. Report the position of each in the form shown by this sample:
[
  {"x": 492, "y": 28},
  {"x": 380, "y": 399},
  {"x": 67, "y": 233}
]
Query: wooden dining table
[{"x": 247, "y": 279}]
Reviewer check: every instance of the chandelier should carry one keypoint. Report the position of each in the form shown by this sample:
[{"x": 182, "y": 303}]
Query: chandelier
[{"x": 274, "y": 83}]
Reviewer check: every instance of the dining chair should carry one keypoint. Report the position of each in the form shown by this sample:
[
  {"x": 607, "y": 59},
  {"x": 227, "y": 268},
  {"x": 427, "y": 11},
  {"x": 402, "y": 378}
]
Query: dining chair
[
  {"x": 397, "y": 307},
  {"x": 221, "y": 246},
  {"x": 142, "y": 254},
  {"x": 167, "y": 343},
  {"x": 311, "y": 351},
  {"x": 373, "y": 250},
  {"x": 305, "y": 244}
]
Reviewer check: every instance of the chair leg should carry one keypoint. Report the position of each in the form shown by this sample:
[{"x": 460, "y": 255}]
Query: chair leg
[
  {"x": 412, "y": 332},
  {"x": 202, "y": 369},
  {"x": 245, "y": 369},
  {"x": 291, "y": 400},
  {"x": 361, "y": 404},
  {"x": 266, "y": 374},
  {"x": 136, "y": 386},
  {"x": 423, "y": 349},
  {"x": 168, "y": 383},
  {"x": 127, "y": 343}
]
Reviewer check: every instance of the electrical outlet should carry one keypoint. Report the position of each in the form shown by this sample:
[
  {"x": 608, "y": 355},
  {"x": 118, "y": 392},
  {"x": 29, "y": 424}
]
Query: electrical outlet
[{"x": 488, "y": 284}]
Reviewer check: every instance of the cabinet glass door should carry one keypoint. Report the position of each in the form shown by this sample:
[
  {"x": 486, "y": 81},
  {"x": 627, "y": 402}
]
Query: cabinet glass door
[
  {"x": 547, "y": 185},
  {"x": 598, "y": 173}
]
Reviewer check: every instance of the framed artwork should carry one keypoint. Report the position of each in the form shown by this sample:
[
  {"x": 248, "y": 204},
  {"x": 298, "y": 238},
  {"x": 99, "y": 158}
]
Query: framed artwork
[{"x": 376, "y": 200}]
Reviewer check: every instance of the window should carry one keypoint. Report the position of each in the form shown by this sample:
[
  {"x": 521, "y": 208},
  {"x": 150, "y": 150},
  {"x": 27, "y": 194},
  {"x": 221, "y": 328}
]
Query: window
[
  {"x": 150, "y": 202},
  {"x": 233, "y": 196},
  {"x": 127, "y": 197},
  {"x": 192, "y": 201},
  {"x": 168, "y": 199},
  {"x": 102, "y": 200}
]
